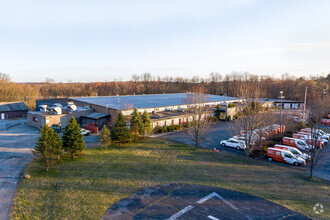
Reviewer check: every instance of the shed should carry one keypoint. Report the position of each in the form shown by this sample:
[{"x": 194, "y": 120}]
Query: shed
[
  {"x": 95, "y": 118},
  {"x": 13, "y": 110}
]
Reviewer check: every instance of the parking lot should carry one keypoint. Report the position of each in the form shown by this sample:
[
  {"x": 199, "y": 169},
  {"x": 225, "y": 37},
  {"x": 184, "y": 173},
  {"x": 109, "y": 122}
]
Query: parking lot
[{"x": 223, "y": 130}]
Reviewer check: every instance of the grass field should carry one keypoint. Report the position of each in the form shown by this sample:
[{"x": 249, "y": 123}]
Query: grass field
[{"x": 87, "y": 187}]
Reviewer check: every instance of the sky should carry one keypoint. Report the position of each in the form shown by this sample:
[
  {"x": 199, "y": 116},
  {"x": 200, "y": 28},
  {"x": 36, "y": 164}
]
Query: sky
[{"x": 105, "y": 40}]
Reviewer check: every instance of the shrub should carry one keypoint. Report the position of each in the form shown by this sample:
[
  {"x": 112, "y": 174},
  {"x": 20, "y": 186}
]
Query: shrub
[
  {"x": 187, "y": 124},
  {"x": 163, "y": 129},
  {"x": 170, "y": 128},
  {"x": 177, "y": 127},
  {"x": 229, "y": 118},
  {"x": 236, "y": 116},
  {"x": 264, "y": 148},
  {"x": 157, "y": 130},
  {"x": 273, "y": 143},
  {"x": 231, "y": 105},
  {"x": 288, "y": 134}
]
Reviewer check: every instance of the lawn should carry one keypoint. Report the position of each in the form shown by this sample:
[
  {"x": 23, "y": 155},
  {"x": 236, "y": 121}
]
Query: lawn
[{"x": 87, "y": 187}]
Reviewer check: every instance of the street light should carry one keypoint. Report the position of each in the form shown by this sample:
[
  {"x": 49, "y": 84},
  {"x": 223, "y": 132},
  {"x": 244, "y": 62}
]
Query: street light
[{"x": 281, "y": 97}]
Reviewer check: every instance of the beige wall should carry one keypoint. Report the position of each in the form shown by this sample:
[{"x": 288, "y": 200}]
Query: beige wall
[
  {"x": 174, "y": 120},
  {"x": 38, "y": 119}
]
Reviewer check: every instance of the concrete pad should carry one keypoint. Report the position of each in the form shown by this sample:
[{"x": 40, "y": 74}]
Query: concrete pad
[{"x": 181, "y": 201}]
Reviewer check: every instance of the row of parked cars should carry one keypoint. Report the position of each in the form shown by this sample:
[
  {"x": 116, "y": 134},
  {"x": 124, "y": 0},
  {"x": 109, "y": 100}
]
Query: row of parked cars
[
  {"x": 293, "y": 150},
  {"x": 238, "y": 141}
]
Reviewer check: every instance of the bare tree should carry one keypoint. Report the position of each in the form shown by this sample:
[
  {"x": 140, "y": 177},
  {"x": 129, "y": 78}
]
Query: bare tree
[
  {"x": 199, "y": 112},
  {"x": 317, "y": 109}
]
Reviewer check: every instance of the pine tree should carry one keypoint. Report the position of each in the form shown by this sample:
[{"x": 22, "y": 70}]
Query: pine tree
[
  {"x": 73, "y": 142},
  {"x": 104, "y": 137},
  {"x": 146, "y": 122},
  {"x": 48, "y": 146},
  {"x": 120, "y": 130},
  {"x": 217, "y": 111},
  {"x": 136, "y": 124}
]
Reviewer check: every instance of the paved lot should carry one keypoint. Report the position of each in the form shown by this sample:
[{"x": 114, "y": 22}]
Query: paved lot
[
  {"x": 15, "y": 153},
  {"x": 178, "y": 201},
  {"x": 220, "y": 131},
  {"x": 223, "y": 130}
]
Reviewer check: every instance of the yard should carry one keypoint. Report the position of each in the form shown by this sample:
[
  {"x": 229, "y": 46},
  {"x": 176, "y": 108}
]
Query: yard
[{"x": 87, "y": 187}]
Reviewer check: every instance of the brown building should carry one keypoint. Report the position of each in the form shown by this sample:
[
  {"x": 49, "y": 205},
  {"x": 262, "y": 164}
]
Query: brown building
[{"x": 13, "y": 110}]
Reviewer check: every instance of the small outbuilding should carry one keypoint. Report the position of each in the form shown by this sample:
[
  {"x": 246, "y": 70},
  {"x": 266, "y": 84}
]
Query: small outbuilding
[
  {"x": 98, "y": 119},
  {"x": 13, "y": 110}
]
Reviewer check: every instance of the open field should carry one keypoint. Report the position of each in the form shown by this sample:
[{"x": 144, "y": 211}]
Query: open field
[{"x": 87, "y": 187}]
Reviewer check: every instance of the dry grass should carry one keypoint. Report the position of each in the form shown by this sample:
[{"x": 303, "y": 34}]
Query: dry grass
[{"x": 87, "y": 187}]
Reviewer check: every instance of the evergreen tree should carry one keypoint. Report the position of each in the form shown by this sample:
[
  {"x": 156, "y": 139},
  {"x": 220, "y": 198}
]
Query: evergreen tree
[
  {"x": 104, "y": 137},
  {"x": 217, "y": 111},
  {"x": 146, "y": 122},
  {"x": 48, "y": 146},
  {"x": 120, "y": 130},
  {"x": 136, "y": 124},
  {"x": 73, "y": 142}
]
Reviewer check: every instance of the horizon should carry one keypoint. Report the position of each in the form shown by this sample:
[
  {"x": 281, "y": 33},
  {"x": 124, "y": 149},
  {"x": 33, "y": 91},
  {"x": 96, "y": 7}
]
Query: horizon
[{"x": 105, "y": 41}]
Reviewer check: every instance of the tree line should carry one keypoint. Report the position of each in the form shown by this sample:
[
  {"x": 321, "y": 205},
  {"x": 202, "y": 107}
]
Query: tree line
[{"x": 234, "y": 84}]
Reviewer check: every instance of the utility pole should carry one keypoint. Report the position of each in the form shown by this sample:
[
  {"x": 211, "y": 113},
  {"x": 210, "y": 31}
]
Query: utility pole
[
  {"x": 281, "y": 97},
  {"x": 305, "y": 104},
  {"x": 323, "y": 93}
]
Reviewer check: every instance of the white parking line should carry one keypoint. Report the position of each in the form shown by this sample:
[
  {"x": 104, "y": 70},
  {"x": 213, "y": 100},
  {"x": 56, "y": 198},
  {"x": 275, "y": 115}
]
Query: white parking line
[
  {"x": 213, "y": 218},
  {"x": 214, "y": 194},
  {"x": 178, "y": 214}
]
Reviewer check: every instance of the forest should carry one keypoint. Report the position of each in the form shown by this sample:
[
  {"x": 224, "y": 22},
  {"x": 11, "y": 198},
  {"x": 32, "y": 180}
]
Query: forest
[{"x": 245, "y": 85}]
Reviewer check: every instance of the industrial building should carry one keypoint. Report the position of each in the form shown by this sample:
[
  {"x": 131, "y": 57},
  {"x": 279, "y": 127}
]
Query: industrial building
[
  {"x": 57, "y": 114},
  {"x": 164, "y": 109},
  {"x": 10, "y": 110}
]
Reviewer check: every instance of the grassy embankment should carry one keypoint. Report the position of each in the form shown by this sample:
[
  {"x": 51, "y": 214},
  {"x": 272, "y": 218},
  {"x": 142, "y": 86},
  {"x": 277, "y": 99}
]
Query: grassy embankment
[{"x": 87, "y": 187}]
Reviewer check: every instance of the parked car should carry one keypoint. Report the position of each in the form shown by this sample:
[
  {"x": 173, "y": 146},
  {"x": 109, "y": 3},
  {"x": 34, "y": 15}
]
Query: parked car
[
  {"x": 297, "y": 143},
  {"x": 293, "y": 150},
  {"x": 321, "y": 133},
  {"x": 233, "y": 143},
  {"x": 307, "y": 139},
  {"x": 242, "y": 138},
  {"x": 284, "y": 156},
  {"x": 85, "y": 132},
  {"x": 308, "y": 134}
]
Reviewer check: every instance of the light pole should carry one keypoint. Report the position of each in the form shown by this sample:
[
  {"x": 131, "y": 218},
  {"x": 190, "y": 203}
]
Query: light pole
[
  {"x": 323, "y": 93},
  {"x": 281, "y": 97}
]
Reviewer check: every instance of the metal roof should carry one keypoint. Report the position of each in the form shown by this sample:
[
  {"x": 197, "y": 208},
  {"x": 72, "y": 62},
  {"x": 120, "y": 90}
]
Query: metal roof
[
  {"x": 12, "y": 106},
  {"x": 96, "y": 115},
  {"x": 147, "y": 101}
]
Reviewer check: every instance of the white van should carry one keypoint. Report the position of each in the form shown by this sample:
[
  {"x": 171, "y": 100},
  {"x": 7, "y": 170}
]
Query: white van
[{"x": 293, "y": 150}]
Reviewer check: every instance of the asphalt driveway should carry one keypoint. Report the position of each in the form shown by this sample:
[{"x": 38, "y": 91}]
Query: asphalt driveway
[{"x": 15, "y": 153}]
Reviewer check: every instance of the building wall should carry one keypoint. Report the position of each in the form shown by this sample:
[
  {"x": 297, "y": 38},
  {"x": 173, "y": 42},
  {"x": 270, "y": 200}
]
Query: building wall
[
  {"x": 175, "y": 120},
  {"x": 14, "y": 114},
  {"x": 99, "y": 122},
  {"x": 37, "y": 119}
]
